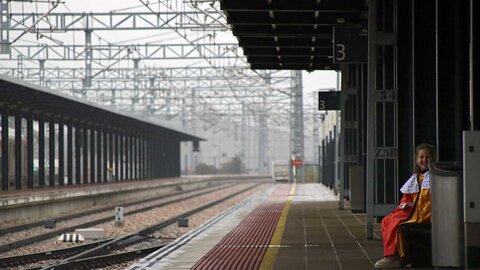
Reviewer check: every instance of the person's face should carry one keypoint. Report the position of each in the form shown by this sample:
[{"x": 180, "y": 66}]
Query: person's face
[{"x": 423, "y": 158}]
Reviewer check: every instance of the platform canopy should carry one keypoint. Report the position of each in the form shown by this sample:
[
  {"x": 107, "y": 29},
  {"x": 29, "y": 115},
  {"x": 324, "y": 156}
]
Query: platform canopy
[
  {"x": 24, "y": 98},
  {"x": 286, "y": 34}
]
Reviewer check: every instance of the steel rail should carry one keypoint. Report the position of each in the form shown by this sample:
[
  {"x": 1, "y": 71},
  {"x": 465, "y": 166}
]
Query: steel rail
[
  {"x": 73, "y": 262},
  {"x": 42, "y": 237},
  {"x": 23, "y": 227}
]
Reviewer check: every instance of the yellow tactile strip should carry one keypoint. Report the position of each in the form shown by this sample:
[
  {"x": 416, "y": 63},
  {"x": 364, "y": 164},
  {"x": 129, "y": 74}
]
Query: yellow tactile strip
[{"x": 269, "y": 258}]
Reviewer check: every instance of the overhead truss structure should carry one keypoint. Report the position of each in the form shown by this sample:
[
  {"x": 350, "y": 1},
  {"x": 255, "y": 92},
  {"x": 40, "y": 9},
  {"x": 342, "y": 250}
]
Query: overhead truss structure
[
  {"x": 123, "y": 52},
  {"x": 118, "y": 74},
  {"x": 195, "y": 75}
]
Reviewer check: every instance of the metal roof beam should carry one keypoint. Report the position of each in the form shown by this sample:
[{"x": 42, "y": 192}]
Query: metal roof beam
[
  {"x": 124, "y": 52},
  {"x": 62, "y": 22}
]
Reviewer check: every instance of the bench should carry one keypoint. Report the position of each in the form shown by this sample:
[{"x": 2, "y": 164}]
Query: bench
[{"x": 418, "y": 239}]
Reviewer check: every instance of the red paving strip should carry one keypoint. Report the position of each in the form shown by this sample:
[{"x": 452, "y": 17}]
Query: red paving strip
[{"x": 245, "y": 246}]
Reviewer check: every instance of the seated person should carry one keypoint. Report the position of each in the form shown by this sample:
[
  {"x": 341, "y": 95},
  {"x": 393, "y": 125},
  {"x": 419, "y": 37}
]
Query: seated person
[{"x": 414, "y": 207}]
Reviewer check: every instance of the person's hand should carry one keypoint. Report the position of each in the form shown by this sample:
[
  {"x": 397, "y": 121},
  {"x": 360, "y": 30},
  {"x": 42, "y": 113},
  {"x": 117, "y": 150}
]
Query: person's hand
[{"x": 405, "y": 205}]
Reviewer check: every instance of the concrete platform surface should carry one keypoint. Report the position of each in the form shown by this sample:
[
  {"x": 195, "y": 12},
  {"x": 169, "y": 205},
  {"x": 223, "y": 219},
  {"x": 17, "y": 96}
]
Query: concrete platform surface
[{"x": 316, "y": 235}]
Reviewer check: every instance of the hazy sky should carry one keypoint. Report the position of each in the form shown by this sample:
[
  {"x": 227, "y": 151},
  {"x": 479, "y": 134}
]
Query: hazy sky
[{"x": 311, "y": 81}]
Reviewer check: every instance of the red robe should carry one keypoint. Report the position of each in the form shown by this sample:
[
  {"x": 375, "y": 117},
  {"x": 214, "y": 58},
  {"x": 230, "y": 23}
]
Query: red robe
[
  {"x": 416, "y": 188},
  {"x": 391, "y": 222}
]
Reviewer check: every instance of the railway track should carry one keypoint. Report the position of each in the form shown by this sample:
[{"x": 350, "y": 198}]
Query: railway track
[
  {"x": 99, "y": 253},
  {"x": 26, "y": 226},
  {"x": 41, "y": 237},
  {"x": 102, "y": 260}
]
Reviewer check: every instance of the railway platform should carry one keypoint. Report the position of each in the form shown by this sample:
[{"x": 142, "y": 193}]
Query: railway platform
[
  {"x": 46, "y": 194},
  {"x": 52, "y": 201},
  {"x": 292, "y": 227}
]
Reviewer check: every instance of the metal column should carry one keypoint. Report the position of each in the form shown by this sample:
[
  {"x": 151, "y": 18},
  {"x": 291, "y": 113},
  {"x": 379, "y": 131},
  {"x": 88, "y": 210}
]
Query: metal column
[
  {"x": 70, "y": 152},
  {"x": 29, "y": 117},
  {"x": 5, "y": 149},
  {"x": 85, "y": 153},
  {"x": 406, "y": 23},
  {"x": 474, "y": 65},
  {"x": 130, "y": 159},
  {"x": 105, "y": 155},
  {"x": 135, "y": 157},
  {"x": 127, "y": 157},
  {"x": 297, "y": 119},
  {"x": 61, "y": 152},
  {"x": 41, "y": 151},
  {"x": 155, "y": 153},
  {"x": 116, "y": 136},
  {"x": 51, "y": 152},
  {"x": 88, "y": 58},
  {"x": 424, "y": 81},
  {"x": 382, "y": 133},
  {"x": 315, "y": 133},
  {"x": 18, "y": 150},
  {"x": 110, "y": 154},
  {"x": 452, "y": 62},
  {"x": 92, "y": 155},
  {"x": 98, "y": 153},
  {"x": 122, "y": 157},
  {"x": 144, "y": 158},
  {"x": 149, "y": 157},
  {"x": 78, "y": 154},
  {"x": 41, "y": 71}
]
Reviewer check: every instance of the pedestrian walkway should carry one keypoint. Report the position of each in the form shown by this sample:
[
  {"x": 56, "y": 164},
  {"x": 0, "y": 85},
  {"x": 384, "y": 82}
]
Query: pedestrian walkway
[{"x": 311, "y": 232}]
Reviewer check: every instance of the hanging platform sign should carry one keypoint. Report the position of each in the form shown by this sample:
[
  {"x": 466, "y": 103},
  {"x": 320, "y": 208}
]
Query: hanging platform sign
[
  {"x": 350, "y": 44},
  {"x": 329, "y": 101}
]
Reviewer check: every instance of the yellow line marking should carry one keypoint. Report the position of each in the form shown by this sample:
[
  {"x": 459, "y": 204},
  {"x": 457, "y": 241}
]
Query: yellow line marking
[{"x": 269, "y": 259}]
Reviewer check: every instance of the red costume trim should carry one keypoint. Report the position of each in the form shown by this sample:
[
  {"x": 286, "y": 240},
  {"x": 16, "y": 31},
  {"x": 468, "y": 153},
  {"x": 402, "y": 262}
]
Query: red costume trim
[{"x": 391, "y": 222}]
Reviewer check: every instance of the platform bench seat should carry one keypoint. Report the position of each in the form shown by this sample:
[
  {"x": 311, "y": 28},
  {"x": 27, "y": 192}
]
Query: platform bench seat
[{"x": 418, "y": 238}]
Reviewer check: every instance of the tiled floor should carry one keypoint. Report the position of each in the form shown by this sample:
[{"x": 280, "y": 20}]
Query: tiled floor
[{"x": 317, "y": 235}]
